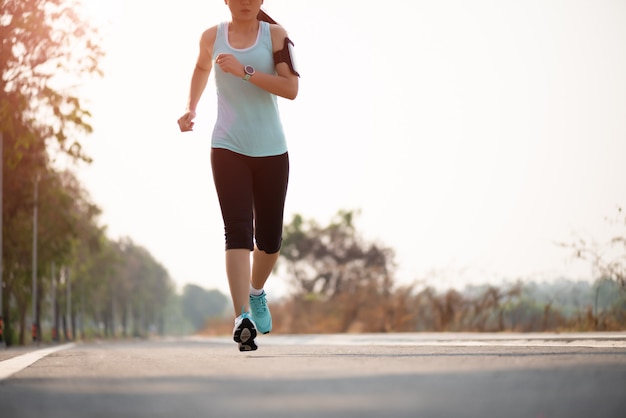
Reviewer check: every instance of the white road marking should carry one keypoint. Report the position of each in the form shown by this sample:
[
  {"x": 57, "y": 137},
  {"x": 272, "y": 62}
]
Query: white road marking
[{"x": 16, "y": 364}]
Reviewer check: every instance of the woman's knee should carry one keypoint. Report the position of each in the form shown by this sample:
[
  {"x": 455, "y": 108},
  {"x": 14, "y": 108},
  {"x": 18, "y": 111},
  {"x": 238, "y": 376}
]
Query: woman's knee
[
  {"x": 238, "y": 235},
  {"x": 269, "y": 246}
]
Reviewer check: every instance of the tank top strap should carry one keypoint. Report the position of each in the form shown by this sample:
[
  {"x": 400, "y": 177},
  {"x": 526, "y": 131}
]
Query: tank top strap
[{"x": 266, "y": 35}]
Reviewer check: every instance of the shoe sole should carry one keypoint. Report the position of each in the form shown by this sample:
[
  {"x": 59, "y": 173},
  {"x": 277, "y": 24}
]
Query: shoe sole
[{"x": 245, "y": 335}]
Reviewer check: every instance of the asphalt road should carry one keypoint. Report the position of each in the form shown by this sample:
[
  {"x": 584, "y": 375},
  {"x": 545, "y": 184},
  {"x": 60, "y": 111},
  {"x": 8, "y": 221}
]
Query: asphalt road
[{"x": 387, "y": 375}]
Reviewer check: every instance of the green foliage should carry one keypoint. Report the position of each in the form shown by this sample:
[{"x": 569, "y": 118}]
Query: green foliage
[
  {"x": 176, "y": 324},
  {"x": 120, "y": 290},
  {"x": 64, "y": 218},
  {"x": 47, "y": 48},
  {"x": 93, "y": 286},
  {"x": 200, "y": 305}
]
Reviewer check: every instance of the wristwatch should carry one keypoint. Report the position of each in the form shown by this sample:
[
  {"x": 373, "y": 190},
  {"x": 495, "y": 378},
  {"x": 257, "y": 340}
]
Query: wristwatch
[{"x": 249, "y": 70}]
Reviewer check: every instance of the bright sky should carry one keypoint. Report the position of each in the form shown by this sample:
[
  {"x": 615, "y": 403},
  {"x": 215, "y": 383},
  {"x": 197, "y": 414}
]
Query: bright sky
[{"x": 471, "y": 135}]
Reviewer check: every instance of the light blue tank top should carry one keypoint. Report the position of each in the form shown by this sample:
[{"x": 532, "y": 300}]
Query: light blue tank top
[{"x": 248, "y": 120}]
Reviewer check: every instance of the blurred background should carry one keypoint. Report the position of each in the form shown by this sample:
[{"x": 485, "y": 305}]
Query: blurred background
[{"x": 460, "y": 162}]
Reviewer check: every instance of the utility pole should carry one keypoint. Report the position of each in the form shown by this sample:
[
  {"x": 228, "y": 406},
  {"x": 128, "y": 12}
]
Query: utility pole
[
  {"x": 2, "y": 343},
  {"x": 55, "y": 316},
  {"x": 35, "y": 325},
  {"x": 68, "y": 306}
]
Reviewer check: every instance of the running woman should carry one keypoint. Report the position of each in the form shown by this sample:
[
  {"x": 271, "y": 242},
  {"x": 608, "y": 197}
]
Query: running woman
[{"x": 253, "y": 63}]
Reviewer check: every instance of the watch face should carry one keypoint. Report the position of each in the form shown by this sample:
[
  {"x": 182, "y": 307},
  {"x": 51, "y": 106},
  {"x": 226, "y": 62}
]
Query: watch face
[{"x": 249, "y": 69}]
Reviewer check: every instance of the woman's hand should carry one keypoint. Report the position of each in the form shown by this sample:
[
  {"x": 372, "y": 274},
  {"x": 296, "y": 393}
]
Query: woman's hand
[
  {"x": 185, "y": 122},
  {"x": 229, "y": 64}
]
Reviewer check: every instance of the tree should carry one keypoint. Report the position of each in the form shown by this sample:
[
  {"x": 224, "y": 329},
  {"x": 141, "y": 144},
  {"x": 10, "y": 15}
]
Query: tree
[
  {"x": 141, "y": 289},
  {"x": 200, "y": 305},
  {"x": 342, "y": 283},
  {"x": 63, "y": 210},
  {"x": 333, "y": 265},
  {"x": 333, "y": 259},
  {"x": 44, "y": 44}
]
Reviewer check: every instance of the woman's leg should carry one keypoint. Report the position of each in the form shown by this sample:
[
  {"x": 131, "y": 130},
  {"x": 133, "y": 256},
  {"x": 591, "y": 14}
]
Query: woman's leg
[
  {"x": 262, "y": 266},
  {"x": 233, "y": 182},
  {"x": 238, "y": 272},
  {"x": 271, "y": 177}
]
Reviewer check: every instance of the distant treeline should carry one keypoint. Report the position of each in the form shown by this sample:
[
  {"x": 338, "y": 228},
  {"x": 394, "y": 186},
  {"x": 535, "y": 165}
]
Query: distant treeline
[
  {"x": 559, "y": 306},
  {"x": 338, "y": 283},
  {"x": 341, "y": 283}
]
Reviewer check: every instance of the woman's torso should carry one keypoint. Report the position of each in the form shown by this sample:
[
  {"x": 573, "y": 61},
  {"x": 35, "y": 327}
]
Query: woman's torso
[{"x": 248, "y": 120}]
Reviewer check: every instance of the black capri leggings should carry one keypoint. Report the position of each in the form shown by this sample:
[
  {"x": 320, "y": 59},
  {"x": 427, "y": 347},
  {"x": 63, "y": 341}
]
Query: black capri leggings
[{"x": 251, "y": 192}]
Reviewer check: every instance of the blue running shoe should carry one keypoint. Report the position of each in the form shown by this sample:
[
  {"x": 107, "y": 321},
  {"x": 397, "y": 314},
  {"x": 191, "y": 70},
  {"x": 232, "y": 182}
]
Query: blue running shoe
[
  {"x": 260, "y": 313},
  {"x": 244, "y": 332}
]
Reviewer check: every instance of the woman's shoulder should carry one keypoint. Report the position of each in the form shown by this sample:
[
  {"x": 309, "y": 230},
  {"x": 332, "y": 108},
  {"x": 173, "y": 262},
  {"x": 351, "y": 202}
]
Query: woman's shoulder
[
  {"x": 207, "y": 40},
  {"x": 276, "y": 29},
  {"x": 212, "y": 31},
  {"x": 278, "y": 35}
]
